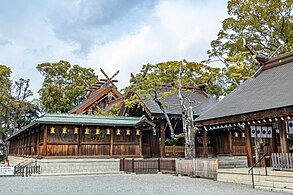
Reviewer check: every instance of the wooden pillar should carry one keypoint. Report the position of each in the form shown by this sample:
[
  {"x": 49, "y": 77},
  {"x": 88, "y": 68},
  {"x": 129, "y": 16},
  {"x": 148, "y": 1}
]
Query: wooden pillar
[
  {"x": 45, "y": 152},
  {"x": 79, "y": 139},
  {"x": 230, "y": 140},
  {"x": 204, "y": 143},
  {"x": 140, "y": 143},
  {"x": 248, "y": 144},
  {"x": 162, "y": 143},
  {"x": 196, "y": 144},
  {"x": 283, "y": 137},
  {"x": 111, "y": 142},
  {"x": 274, "y": 143},
  {"x": 37, "y": 141}
]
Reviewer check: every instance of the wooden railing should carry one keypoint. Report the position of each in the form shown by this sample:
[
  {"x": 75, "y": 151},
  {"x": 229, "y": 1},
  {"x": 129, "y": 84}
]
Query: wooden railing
[{"x": 282, "y": 161}]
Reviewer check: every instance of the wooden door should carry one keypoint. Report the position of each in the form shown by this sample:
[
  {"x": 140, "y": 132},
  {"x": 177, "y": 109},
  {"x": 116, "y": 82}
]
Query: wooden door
[{"x": 146, "y": 144}]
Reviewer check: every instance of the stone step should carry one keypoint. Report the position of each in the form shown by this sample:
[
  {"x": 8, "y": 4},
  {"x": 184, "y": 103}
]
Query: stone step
[
  {"x": 278, "y": 179},
  {"x": 276, "y": 184},
  {"x": 281, "y": 190}
]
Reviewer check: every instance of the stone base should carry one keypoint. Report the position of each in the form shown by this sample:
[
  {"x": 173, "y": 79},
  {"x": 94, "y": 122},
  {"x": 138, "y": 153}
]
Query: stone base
[{"x": 78, "y": 166}]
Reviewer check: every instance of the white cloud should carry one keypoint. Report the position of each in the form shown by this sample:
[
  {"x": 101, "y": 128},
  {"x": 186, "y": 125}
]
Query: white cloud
[
  {"x": 175, "y": 30},
  {"x": 171, "y": 30}
]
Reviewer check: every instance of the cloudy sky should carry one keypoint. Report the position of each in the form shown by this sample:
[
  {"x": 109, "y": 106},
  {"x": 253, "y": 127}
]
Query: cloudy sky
[{"x": 112, "y": 34}]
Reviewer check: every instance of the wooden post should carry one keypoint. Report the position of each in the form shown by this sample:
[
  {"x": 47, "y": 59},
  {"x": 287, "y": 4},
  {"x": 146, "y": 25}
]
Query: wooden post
[
  {"x": 248, "y": 143},
  {"x": 204, "y": 143},
  {"x": 38, "y": 142},
  {"x": 111, "y": 142},
  {"x": 79, "y": 139},
  {"x": 45, "y": 152},
  {"x": 283, "y": 137},
  {"x": 162, "y": 130},
  {"x": 159, "y": 164},
  {"x": 230, "y": 140},
  {"x": 274, "y": 146},
  {"x": 140, "y": 143}
]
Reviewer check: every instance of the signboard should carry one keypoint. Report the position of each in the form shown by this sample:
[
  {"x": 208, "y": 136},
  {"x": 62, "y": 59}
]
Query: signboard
[
  {"x": 253, "y": 131},
  {"x": 261, "y": 131},
  {"x": 6, "y": 170},
  {"x": 289, "y": 125}
]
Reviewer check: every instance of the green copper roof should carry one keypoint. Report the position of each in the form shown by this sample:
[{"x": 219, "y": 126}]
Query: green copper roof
[
  {"x": 82, "y": 119},
  {"x": 89, "y": 119}
]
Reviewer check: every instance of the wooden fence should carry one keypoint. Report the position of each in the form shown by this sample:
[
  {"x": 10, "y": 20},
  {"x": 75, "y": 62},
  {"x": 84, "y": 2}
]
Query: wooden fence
[
  {"x": 147, "y": 165},
  {"x": 174, "y": 150},
  {"x": 282, "y": 161},
  {"x": 205, "y": 168}
]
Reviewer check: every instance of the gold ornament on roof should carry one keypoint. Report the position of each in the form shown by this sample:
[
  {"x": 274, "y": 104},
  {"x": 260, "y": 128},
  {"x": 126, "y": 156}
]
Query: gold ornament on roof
[
  {"x": 236, "y": 134},
  {"x": 98, "y": 131},
  {"x": 127, "y": 131},
  {"x": 118, "y": 132}
]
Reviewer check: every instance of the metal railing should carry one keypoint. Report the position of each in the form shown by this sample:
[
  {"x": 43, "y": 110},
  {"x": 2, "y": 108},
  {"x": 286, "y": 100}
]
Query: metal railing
[
  {"x": 255, "y": 164},
  {"x": 27, "y": 170}
]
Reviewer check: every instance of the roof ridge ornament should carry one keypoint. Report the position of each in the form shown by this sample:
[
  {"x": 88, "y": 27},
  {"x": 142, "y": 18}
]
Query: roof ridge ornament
[{"x": 260, "y": 58}]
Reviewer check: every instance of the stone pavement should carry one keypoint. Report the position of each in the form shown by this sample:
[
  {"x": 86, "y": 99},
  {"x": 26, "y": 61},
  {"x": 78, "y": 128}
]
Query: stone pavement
[{"x": 121, "y": 184}]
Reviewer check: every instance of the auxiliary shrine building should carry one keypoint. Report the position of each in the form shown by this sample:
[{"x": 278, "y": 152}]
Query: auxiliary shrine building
[
  {"x": 81, "y": 133},
  {"x": 262, "y": 107}
]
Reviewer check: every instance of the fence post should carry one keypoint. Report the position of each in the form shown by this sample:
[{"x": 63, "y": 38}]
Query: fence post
[
  {"x": 22, "y": 170},
  {"x": 174, "y": 165},
  {"x": 174, "y": 150},
  {"x": 132, "y": 165},
  {"x": 159, "y": 165}
]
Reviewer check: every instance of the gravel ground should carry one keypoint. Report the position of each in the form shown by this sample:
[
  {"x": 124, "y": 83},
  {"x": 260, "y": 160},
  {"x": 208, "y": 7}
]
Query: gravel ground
[{"x": 121, "y": 184}]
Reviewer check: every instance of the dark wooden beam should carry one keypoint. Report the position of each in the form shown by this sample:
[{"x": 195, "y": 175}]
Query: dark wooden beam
[{"x": 266, "y": 114}]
